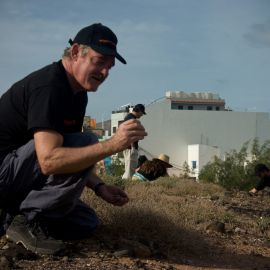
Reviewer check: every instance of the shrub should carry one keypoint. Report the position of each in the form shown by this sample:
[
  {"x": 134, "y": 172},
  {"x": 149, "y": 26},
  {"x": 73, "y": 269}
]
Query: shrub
[
  {"x": 236, "y": 170},
  {"x": 117, "y": 167}
]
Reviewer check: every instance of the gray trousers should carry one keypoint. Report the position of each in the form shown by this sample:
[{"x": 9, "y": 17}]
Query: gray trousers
[{"x": 54, "y": 198}]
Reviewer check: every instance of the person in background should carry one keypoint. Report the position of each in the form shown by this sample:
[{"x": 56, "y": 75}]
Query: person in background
[
  {"x": 108, "y": 165},
  {"x": 45, "y": 159},
  {"x": 152, "y": 169},
  {"x": 263, "y": 172},
  {"x": 141, "y": 160},
  {"x": 131, "y": 153}
]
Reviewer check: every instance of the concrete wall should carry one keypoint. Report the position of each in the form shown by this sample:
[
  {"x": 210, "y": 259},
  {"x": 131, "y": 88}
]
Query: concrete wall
[{"x": 171, "y": 131}]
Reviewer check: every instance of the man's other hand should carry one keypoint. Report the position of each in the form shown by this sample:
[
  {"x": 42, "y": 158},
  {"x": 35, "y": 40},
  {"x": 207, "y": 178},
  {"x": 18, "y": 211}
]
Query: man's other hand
[{"x": 113, "y": 195}]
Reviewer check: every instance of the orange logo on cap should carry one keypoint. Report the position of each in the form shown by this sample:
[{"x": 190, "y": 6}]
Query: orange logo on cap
[
  {"x": 68, "y": 123},
  {"x": 107, "y": 41}
]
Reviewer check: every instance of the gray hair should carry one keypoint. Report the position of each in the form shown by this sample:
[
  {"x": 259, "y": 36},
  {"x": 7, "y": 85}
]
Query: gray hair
[{"x": 84, "y": 51}]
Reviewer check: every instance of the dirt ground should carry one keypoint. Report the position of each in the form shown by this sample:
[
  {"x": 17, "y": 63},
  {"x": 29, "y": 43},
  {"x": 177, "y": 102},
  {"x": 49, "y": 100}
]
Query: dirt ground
[{"x": 215, "y": 246}]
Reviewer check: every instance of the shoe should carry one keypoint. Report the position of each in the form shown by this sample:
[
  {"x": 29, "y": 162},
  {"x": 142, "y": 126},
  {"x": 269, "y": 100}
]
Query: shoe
[{"x": 33, "y": 236}]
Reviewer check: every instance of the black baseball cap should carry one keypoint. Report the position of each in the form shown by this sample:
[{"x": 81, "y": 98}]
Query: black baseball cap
[
  {"x": 139, "y": 108},
  {"x": 100, "y": 38}
]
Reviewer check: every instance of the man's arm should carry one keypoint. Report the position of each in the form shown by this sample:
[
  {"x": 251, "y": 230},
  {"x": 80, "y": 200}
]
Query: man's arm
[
  {"x": 260, "y": 186},
  {"x": 56, "y": 159}
]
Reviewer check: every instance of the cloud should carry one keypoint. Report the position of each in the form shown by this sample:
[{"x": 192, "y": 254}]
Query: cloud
[
  {"x": 144, "y": 43},
  {"x": 146, "y": 27},
  {"x": 259, "y": 35}
]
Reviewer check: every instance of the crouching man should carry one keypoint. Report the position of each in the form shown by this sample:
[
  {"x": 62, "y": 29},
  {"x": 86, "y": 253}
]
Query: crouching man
[{"x": 45, "y": 159}]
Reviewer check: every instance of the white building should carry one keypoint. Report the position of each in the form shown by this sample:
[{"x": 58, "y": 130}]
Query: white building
[
  {"x": 199, "y": 155},
  {"x": 184, "y": 127},
  {"x": 195, "y": 136},
  {"x": 195, "y": 101},
  {"x": 117, "y": 118}
]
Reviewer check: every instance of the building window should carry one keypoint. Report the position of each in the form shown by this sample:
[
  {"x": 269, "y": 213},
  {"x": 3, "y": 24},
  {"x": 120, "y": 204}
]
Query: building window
[
  {"x": 114, "y": 129},
  {"x": 190, "y": 107},
  {"x": 217, "y": 108},
  {"x": 180, "y": 107},
  {"x": 209, "y": 108},
  {"x": 193, "y": 164}
]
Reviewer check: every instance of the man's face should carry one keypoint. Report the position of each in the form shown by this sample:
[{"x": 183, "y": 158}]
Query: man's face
[
  {"x": 91, "y": 69},
  {"x": 139, "y": 114}
]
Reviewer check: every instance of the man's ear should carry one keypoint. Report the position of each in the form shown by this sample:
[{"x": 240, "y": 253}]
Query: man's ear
[{"x": 75, "y": 50}]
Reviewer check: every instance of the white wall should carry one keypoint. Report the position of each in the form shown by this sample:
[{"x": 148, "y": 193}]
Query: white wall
[{"x": 171, "y": 131}]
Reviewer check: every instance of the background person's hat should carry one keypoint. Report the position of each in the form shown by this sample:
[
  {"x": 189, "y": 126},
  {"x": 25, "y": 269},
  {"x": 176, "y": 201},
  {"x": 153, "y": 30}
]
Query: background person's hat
[
  {"x": 139, "y": 108},
  {"x": 165, "y": 159},
  {"x": 100, "y": 38}
]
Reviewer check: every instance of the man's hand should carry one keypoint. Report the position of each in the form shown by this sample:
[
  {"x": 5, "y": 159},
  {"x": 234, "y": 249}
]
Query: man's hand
[
  {"x": 128, "y": 132},
  {"x": 113, "y": 195}
]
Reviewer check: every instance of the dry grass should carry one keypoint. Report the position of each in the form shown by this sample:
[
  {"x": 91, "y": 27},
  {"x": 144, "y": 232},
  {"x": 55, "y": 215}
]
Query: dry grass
[
  {"x": 174, "y": 200},
  {"x": 165, "y": 223},
  {"x": 173, "y": 215}
]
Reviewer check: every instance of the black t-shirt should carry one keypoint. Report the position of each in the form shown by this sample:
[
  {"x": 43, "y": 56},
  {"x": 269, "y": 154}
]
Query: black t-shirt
[
  {"x": 265, "y": 181},
  {"x": 44, "y": 100},
  {"x": 128, "y": 117}
]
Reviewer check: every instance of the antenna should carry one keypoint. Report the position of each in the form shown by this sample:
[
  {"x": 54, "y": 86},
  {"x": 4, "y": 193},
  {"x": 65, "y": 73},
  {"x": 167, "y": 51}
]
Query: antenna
[{"x": 128, "y": 104}]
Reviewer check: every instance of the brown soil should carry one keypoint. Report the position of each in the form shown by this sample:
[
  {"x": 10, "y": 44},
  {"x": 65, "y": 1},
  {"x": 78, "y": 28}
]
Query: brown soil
[{"x": 241, "y": 240}]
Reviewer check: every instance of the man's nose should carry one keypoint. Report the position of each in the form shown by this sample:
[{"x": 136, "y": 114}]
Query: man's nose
[{"x": 105, "y": 72}]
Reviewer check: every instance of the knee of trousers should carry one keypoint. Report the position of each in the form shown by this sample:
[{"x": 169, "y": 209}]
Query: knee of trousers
[{"x": 19, "y": 171}]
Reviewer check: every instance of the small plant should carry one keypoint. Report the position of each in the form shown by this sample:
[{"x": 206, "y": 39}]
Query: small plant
[
  {"x": 264, "y": 223},
  {"x": 186, "y": 170},
  {"x": 228, "y": 218}
]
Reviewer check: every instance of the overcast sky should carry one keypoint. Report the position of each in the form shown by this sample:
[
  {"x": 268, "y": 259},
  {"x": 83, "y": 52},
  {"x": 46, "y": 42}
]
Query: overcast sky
[{"x": 219, "y": 46}]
